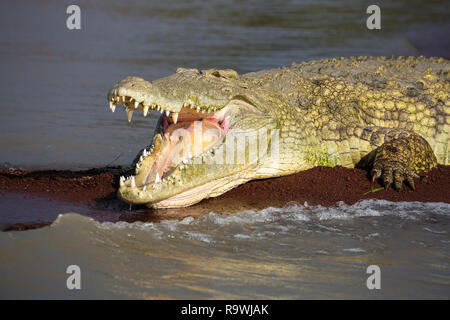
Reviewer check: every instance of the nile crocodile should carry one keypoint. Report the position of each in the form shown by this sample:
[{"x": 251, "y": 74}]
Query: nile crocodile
[{"x": 390, "y": 115}]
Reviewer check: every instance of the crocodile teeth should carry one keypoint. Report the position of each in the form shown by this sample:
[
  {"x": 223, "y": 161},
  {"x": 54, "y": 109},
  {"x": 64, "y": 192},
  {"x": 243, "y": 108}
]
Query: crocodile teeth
[
  {"x": 122, "y": 181},
  {"x": 141, "y": 158},
  {"x": 167, "y": 113},
  {"x": 129, "y": 114},
  {"x": 174, "y": 117},
  {"x": 137, "y": 166},
  {"x": 145, "y": 187},
  {"x": 133, "y": 182},
  {"x": 157, "y": 179},
  {"x": 136, "y": 104},
  {"x": 112, "y": 106},
  {"x": 145, "y": 111}
]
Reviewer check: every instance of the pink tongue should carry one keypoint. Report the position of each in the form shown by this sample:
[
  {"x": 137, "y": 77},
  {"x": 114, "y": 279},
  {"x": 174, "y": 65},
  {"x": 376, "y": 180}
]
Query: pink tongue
[
  {"x": 189, "y": 139},
  {"x": 185, "y": 140}
]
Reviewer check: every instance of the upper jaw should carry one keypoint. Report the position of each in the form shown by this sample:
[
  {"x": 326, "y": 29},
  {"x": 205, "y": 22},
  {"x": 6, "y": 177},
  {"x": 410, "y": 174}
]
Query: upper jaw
[
  {"x": 172, "y": 93},
  {"x": 136, "y": 93}
]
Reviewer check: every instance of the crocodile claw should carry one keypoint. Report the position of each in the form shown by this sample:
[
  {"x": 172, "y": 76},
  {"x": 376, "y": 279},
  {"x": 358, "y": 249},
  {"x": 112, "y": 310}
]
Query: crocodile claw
[{"x": 393, "y": 173}]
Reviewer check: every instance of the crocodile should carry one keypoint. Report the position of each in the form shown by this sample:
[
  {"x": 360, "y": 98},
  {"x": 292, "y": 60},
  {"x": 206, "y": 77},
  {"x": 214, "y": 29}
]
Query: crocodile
[{"x": 219, "y": 129}]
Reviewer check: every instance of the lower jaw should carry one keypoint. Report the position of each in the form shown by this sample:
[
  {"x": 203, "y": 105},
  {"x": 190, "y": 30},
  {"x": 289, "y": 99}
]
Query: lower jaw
[
  {"x": 184, "y": 199},
  {"x": 187, "y": 197},
  {"x": 207, "y": 190}
]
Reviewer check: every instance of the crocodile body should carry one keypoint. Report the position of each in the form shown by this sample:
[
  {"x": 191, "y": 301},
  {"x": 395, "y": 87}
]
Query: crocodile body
[{"x": 391, "y": 115}]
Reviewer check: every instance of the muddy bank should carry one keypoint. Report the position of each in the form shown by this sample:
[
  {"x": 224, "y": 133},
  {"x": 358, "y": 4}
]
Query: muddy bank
[{"x": 33, "y": 199}]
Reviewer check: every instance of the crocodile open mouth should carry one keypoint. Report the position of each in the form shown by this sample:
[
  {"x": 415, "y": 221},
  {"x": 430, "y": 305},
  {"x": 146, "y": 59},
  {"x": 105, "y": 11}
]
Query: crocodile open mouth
[{"x": 181, "y": 138}]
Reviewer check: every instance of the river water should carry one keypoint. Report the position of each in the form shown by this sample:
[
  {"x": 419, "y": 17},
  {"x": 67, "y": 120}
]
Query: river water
[{"x": 54, "y": 114}]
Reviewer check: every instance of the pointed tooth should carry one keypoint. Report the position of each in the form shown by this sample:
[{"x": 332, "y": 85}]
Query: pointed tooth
[
  {"x": 167, "y": 113},
  {"x": 112, "y": 106},
  {"x": 145, "y": 111},
  {"x": 137, "y": 166},
  {"x": 184, "y": 160},
  {"x": 122, "y": 181},
  {"x": 189, "y": 155},
  {"x": 129, "y": 114},
  {"x": 145, "y": 187},
  {"x": 133, "y": 182},
  {"x": 136, "y": 104},
  {"x": 175, "y": 117},
  {"x": 157, "y": 179}
]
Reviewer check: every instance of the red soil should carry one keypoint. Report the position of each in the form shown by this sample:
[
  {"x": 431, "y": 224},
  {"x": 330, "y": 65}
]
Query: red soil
[{"x": 93, "y": 193}]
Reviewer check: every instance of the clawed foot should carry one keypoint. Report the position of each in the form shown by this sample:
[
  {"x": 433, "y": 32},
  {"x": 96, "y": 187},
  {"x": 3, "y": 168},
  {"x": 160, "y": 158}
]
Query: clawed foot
[{"x": 393, "y": 173}]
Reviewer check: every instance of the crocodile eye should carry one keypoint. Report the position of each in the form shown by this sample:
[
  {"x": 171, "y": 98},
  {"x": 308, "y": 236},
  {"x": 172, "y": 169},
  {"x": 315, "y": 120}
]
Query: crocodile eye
[{"x": 220, "y": 122}]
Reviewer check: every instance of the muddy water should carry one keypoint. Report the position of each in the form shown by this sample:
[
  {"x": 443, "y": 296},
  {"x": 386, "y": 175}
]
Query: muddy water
[
  {"x": 54, "y": 81},
  {"x": 54, "y": 114},
  {"x": 295, "y": 252}
]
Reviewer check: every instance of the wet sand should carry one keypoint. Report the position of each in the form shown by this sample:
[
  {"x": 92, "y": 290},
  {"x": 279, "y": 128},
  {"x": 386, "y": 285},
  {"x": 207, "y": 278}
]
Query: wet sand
[{"x": 39, "y": 196}]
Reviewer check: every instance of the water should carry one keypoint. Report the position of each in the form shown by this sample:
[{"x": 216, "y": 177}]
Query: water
[
  {"x": 295, "y": 252},
  {"x": 54, "y": 82},
  {"x": 54, "y": 114}
]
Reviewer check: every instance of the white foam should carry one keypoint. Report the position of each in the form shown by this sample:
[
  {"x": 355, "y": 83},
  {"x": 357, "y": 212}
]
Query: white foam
[
  {"x": 242, "y": 236},
  {"x": 199, "y": 236},
  {"x": 293, "y": 214},
  {"x": 435, "y": 231},
  {"x": 354, "y": 250}
]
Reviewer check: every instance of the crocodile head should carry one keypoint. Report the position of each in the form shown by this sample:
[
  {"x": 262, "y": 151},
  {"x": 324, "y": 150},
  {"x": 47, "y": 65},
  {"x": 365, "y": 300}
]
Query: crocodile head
[{"x": 204, "y": 143}]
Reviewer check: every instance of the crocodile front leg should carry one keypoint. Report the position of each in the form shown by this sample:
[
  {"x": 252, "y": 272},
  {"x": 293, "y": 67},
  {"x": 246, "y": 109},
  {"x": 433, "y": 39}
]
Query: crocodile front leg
[{"x": 400, "y": 158}]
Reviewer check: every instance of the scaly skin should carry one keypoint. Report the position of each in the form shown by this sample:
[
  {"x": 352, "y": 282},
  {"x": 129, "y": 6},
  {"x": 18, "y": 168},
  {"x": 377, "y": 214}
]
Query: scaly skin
[{"x": 389, "y": 115}]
